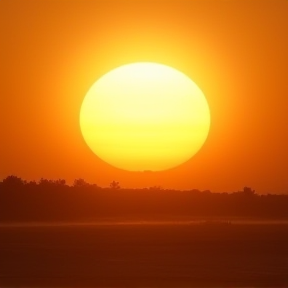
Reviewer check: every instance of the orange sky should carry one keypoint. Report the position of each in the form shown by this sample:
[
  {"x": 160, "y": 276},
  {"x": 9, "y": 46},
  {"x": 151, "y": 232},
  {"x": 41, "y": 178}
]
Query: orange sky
[{"x": 236, "y": 51}]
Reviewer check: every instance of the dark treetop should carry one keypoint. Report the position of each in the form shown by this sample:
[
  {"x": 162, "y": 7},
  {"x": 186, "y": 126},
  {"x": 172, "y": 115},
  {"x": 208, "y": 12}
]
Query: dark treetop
[{"x": 48, "y": 200}]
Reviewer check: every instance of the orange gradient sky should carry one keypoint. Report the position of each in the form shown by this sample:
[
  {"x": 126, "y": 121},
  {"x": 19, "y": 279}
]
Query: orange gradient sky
[{"x": 236, "y": 51}]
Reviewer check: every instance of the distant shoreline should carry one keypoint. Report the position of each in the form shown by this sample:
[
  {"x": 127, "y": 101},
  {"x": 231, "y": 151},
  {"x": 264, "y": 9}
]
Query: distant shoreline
[
  {"x": 144, "y": 223},
  {"x": 55, "y": 202}
]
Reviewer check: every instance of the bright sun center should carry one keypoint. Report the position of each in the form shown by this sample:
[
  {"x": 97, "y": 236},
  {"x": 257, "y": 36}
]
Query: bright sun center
[{"x": 145, "y": 116}]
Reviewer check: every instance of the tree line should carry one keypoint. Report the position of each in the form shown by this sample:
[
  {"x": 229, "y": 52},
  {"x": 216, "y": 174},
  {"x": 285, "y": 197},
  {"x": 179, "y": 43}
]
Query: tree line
[{"x": 55, "y": 200}]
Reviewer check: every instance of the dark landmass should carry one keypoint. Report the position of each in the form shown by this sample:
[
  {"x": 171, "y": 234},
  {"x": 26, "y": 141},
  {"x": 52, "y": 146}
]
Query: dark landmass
[
  {"x": 54, "y": 201},
  {"x": 163, "y": 256},
  {"x": 140, "y": 237}
]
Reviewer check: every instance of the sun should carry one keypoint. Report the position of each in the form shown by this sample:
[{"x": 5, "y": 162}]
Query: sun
[{"x": 145, "y": 116}]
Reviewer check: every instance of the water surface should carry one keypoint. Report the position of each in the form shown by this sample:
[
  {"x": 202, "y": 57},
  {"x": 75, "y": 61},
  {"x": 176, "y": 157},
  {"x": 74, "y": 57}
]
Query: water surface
[{"x": 144, "y": 254}]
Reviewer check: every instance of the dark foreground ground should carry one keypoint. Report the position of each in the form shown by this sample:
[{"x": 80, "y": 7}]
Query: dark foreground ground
[{"x": 160, "y": 255}]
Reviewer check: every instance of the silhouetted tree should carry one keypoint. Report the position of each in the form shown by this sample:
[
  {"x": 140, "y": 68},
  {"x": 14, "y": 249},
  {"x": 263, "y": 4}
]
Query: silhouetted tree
[
  {"x": 115, "y": 185},
  {"x": 60, "y": 182},
  {"x": 13, "y": 181},
  {"x": 80, "y": 183},
  {"x": 207, "y": 192},
  {"x": 82, "y": 201},
  {"x": 248, "y": 191},
  {"x": 45, "y": 183}
]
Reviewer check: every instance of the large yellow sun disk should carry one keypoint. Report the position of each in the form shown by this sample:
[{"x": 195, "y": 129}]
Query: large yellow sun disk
[{"x": 145, "y": 116}]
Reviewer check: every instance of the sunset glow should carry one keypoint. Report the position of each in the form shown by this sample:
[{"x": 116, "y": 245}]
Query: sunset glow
[
  {"x": 144, "y": 143},
  {"x": 55, "y": 54},
  {"x": 145, "y": 116}
]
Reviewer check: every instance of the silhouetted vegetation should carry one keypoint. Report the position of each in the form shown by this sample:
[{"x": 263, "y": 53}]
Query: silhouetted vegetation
[{"x": 54, "y": 200}]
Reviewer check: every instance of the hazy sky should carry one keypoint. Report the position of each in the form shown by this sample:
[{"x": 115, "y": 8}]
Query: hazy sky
[{"x": 52, "y": 51}]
